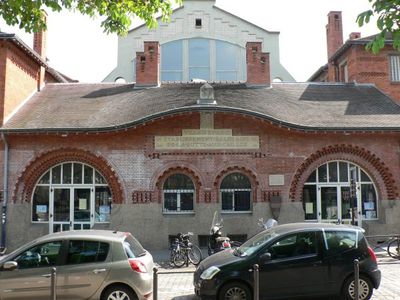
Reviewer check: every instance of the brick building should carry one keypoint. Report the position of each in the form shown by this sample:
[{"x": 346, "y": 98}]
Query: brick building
[
  {"x": 157, "y": 158},
  {"x": 350, "y": 62}
]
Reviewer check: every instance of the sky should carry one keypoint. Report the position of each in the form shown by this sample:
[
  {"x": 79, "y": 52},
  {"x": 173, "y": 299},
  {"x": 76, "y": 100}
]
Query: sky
[{"x": 78, "y": 47}]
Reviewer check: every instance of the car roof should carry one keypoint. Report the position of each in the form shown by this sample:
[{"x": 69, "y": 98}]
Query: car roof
[
  {"x": 305, "y": 226},
  {"x": 92, "y": 234}
]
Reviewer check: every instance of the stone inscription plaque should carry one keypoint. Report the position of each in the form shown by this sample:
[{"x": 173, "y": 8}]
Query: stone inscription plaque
[{"x": 206, "y": 142}]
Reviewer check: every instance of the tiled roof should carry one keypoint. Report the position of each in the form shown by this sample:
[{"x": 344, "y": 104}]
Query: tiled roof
[{"x": 308, "y": 106}]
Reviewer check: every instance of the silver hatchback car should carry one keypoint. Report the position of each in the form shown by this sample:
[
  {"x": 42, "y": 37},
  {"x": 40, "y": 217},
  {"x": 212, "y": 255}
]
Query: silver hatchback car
[{"x": 90, "y": 264}]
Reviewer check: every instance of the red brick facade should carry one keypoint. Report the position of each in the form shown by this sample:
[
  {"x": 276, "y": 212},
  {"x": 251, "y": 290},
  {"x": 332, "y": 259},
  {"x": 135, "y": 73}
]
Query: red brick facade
[{"x": 294, "y": 154}]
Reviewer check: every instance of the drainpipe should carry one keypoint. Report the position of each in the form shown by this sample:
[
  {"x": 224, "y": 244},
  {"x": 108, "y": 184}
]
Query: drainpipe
[{"x": 5, "y": 195}]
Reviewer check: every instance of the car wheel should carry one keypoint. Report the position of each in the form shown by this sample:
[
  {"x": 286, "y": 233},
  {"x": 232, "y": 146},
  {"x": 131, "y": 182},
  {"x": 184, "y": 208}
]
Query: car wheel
[
  {"x": 235, "y": 291},
  {"x": 365, "y": 288},
  {"x": 118, "y": 292}
]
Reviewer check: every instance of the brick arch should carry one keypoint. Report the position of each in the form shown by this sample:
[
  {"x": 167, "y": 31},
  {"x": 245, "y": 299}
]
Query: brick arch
[
  {"x": 42, "y": 163},
  {"x": 236, "y": 169},
  {"x": 373, "y": 165},
  {"x": 179, "y": 170}
]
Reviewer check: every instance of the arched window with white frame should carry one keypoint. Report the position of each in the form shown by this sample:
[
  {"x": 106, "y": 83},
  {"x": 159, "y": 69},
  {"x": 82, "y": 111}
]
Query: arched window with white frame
[
  {"x": 235, "y": 192},
  {"x": 179, "y": 194}
]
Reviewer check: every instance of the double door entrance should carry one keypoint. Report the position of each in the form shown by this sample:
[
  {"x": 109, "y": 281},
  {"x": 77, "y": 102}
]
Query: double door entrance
[
  {"x": 336, "y": 203},
  {"x": 71, "y": 208}
]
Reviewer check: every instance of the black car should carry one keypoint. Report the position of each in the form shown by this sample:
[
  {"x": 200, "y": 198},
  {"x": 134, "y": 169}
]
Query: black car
[{"x": 295, "y": 260}]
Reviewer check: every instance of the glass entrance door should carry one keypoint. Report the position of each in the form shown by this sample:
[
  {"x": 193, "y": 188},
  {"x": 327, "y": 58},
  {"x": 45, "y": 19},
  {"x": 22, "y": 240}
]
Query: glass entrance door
[
  {"x": 337, "y": 204},
  {"x": 83, "y": 211},
  {"x": 328, "y": 200},
  {"x": 60, "y": 210},
  {"x": 71, "y": 209}
]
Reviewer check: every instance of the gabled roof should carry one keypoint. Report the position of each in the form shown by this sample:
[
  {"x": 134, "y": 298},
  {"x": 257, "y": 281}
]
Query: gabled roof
[
  {"x": 35, "y": 56},
  {"x": 109, "y": 107},
  {"x": 347, "y": 45}
]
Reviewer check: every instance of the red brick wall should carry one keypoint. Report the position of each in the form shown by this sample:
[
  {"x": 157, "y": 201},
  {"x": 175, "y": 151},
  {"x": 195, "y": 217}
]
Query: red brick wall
[
  {"x": 334, "y": 32},
  {"x": 18, "y": 76},
  {"x": 139, "y": 167}
]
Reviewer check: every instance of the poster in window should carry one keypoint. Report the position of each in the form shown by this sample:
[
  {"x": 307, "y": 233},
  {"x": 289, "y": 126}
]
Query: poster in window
[
  {"x": 309, "y": 208},
  {"x": 82, "y": 203},
  {"x": 369, "y": 205},
  {"x": 104, "y": 209},
  {"x": 41, "y": 209}
]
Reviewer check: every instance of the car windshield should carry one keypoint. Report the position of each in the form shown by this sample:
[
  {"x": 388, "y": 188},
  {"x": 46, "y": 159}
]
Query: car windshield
[{"x": 255, "y": 243}]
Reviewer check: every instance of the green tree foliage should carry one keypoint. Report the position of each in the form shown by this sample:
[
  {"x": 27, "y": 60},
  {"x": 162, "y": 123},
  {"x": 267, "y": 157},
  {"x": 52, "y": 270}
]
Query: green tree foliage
[
  {"x": 388, "y": 22},
  {"x": 116, "y": 15}
]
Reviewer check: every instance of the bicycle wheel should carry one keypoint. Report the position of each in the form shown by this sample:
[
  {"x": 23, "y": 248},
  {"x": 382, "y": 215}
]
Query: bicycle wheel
[
  {"x": 393, "y": 248},
  {"x": 179, "y": 259},
  {"x": 195, "y": 255}
]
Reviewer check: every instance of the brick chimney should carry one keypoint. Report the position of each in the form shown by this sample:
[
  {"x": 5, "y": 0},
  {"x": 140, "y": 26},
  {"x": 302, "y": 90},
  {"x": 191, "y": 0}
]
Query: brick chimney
[
  {"x": 334, "y": 32},
  {"x": 354, "y": 35},
  {"x": 39, "y": 45},
  {"x": 148, "y": 65},
  {"x": 258, "y": 67}
]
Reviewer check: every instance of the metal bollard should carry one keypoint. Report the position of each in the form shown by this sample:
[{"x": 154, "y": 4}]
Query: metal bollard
[
  {"x": 356, "y": 279},
  {"x": 155, "y": 283},
  {"x": 53, "y": 292},
  {"x": 256, "y": 292}
]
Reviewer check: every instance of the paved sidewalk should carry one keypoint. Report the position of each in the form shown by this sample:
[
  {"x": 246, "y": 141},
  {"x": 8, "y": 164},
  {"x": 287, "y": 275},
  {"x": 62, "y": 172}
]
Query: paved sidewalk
[{"x": 177, "y": 284}]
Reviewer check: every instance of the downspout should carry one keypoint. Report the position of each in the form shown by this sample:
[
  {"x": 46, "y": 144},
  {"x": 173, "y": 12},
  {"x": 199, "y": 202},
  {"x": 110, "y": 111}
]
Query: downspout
[{"x": 5, "y": 196}]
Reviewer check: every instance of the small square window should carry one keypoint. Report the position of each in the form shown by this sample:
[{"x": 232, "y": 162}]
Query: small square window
[{"x": 198, "y": 23}]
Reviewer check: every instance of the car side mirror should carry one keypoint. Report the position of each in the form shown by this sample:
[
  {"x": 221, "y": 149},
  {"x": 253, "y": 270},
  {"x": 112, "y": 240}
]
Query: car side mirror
[
  {"x": 10, "y": 265},
  {"x": 264, "y": 258}
]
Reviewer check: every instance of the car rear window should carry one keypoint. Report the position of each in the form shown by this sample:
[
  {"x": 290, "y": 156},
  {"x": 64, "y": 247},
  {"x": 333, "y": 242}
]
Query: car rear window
[
  {"x": 80, "y": 252},
  {"x": 337, "y": 242},
  {"x": 132, "y": 247}
]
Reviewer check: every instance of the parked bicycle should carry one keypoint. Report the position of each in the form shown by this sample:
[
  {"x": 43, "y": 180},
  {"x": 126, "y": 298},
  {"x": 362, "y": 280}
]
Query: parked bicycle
[
  {"x": 389, "y": 243},
  {"x": 184, "y": 251},
  {"x": 393, "y": 248}
]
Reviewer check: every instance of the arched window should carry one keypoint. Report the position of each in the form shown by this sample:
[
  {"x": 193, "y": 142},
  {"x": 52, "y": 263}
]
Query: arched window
[
  {"x": 236, "y": 193},
  {"x": 339, "y": 191},
  {"x": 178, "y": 193},
  {"x": 71, "y": 195}
]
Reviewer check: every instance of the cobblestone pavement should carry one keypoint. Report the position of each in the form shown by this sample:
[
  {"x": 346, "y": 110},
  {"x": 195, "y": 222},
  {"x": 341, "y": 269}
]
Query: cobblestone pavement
[{"x": 178, "y": 284}]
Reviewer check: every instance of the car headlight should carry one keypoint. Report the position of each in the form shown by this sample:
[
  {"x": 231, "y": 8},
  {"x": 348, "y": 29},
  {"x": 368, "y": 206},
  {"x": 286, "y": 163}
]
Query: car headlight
[{"x": 209, "y": 273}]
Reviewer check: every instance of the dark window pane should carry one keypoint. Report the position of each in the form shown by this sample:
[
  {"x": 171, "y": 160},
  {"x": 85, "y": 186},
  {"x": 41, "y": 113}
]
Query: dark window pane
[
  {"x": 39, "y": 256},
  {"x": 171, "y": 201},
  {"x": 77, "y": 173},
  {"x": 99, "y": 179},
  {"x": 186, "y": 201},
  {"x": 310, "y": 202},
  {"x": 56, "y": 174},
  {"x": 80, "y": 252},
  {"x": 61, "y": 204},
  {"x": 312, "y": 177},
  {"x": 365, "y": 177},
  {"x": 368, "y": 197},
  {"x": 45, "y": 178},
  {"x": 40, "y": 204},
  {"x": 102, "y": 204},
  {"x": 344, "y": 172},
  {"x": 299, "y": 244},
  {"x": 338, "y": 242},
  {"x": 227, "y": 200},
  {"x": 322, "y": 173},
  {"x": 242, "y": 200},
  {"x": 67, "y": 169},
  {"x": 236, "y": 181},
  {"x": 333, "y": 175},
  {"x": 178, "y": 182},
  {"x": 88, "y": 177}
]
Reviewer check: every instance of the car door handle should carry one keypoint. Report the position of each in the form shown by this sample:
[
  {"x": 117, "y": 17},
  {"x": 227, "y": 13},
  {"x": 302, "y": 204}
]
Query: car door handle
[
  {"x": 97, "y": 271},
  {"x": 46, "y": 275}
]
